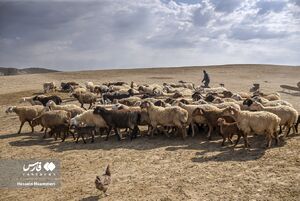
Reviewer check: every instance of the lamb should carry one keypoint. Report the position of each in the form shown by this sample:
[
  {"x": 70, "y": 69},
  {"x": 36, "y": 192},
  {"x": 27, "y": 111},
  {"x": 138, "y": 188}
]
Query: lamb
[
  {"x": 196, "y": 119},
  {"x": 50, "y": 119},
  {"x": 73, "y": 109},
  {"x": 287, "y": 114},
  {"x": 119, "y": 119},
  {"x": 49, "y": 86},
  {"x": 86, "y": 97},
  {"x": 44, "y": 99},
  {"x": 228, "y": 130},
  {"x": 210, "y": 116},
  {"x": 83, "y": 131},
  {"x": 61, "y": 129},
  {"x": 171, "y": 116},
  {"x": 26, "y": 114},
  {"x": 261, "y": 122}
]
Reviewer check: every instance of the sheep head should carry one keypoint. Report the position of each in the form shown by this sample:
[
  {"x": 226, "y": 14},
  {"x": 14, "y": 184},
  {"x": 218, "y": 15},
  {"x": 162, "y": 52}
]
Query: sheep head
[
  {"x": 220, "y": 121},
  {"x": 10, "y": 109},
  {"x": 198, "y": 112}
]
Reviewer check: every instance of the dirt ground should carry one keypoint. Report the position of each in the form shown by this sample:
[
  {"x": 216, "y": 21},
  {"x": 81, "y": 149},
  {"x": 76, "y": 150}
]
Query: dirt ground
[{"x": 160, "y": 168}]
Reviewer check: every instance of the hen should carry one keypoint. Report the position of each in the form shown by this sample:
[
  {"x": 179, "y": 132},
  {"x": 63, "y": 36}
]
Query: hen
[{"x": 103, "y": 181}]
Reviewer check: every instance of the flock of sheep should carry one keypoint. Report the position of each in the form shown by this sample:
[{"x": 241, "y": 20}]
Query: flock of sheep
[{"x": 172, "y": 109}]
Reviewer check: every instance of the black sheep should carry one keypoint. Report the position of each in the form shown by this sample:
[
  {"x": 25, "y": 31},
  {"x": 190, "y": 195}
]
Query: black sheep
[
  {"x": 116, "y": 119},
  {"x": 44, "y": 100}
]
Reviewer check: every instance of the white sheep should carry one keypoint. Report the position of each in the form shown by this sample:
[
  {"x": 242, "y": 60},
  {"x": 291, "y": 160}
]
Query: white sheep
[
  {"x": 72, "y": 108},
  {"x": 90, "y": 119},
  {"x": 51, "y": 119},
  {"x": 261, "y": 122},
  {"x": 288, "y": 115},
  {"x": 171, "y": 117},
  {"x": 26, "y": 114},
  {"x": 49, "y": 86}
]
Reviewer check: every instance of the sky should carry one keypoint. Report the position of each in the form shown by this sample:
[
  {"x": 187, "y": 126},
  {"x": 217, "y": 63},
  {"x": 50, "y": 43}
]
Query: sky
[{"x": 79, "y": 35}]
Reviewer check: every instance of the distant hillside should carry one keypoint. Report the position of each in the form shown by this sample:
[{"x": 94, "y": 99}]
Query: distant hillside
[{"x": 15, "y": 71}]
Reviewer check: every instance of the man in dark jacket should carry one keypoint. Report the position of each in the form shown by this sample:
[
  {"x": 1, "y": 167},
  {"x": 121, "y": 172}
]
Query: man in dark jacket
[{"x": 206, "y": 79}]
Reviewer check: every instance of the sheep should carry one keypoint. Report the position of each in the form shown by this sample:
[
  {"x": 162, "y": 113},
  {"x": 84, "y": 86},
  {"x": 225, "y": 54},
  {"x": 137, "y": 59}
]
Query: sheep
[
  {"x": 228, "y": 130},
  {"x": 298, "y": 121},
  {"x": 51, "y": 119},
  {"x": 49, "y": 86},
  {"x": 90, "y": 119},
  {"x": 83, "y": 131},
  {"x": 44, "y": 99},
  {"x": 237, "y": 97},
  {"x": 171, "y": 116},
  {"x": 266, "y": 102},
  {"x": 120, "y": 83},
  {"x": 78, "y": 90},
  {"x": 86, "y": 97},
  {"x": 30, "y": 100},
  {"x": 227, "y": 104},
  {"x": 288, "y": 115},
  {"x": 213, "y": 90},
  {"x": 270, "y": 97},
  {"x": 61, "y": 129},
  {"x": 210, "y": 116},
  {"x": 90, "y": 86},
  {"x": 100, "y": 89},
  {"x": 119, "y": 119},
  {"x": 121, "y": 89},
  {"x": 144, "y": 117},
  {"x": 130, "y": 101},
  {"x": 197, "y": 96},
  {"x": 67, "y": 86},
  {"x": 195, "y": 119},
  {"x": 109, "y": 97},
  {"x": 26, "y": 114},
  {"x": 261, "y": 122},
  {"x": 73, "y": 109}
]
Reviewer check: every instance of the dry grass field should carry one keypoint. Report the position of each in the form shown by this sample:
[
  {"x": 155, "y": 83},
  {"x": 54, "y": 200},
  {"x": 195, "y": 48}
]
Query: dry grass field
[{"x": 160, "y": 168}]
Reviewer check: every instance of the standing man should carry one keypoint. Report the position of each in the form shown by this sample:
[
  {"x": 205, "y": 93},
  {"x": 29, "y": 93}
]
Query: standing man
[{"x": 206, "y": 79}]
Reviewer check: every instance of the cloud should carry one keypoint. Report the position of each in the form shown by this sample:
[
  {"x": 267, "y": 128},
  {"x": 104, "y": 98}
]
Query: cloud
[{"x": 72, "y": 35}]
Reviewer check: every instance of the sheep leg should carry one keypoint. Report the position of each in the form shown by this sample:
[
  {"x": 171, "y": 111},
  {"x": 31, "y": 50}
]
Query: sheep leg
[
  {"x": 224, "y": 139},
  {"x": 78, "y": 136},
  {"x": 276, "y": 138},
  {"x": 117, "y": 133},
  {"x": 45, "y": 133},
  {"x": 22, "y": 123},
  {"x": 237, "y": 141},
  {"x": 82, "y": 136},
  {"x": 294, "y": 129},
  {"x": 32, "y": 129},
  {"x": 42, "y": 129},
  {"x": 108, "y": 132},
  {"x": 246, "y": 144},
  {"x": 93, "y": 136},
  {"x": 209, "y": 131},
  {"x": 193, "y": 129},
  {"x": 90, "y": 106},
  {"x": 269, "y": 140},
  {"x": 230, "y": 138}
]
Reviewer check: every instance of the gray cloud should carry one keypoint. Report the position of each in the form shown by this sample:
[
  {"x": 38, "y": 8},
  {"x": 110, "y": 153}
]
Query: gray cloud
[{"x": 94, "y": 34}]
